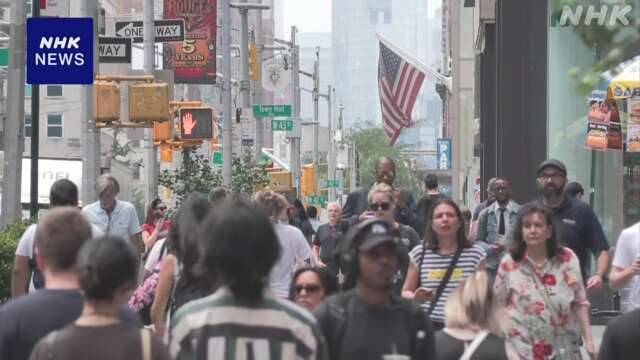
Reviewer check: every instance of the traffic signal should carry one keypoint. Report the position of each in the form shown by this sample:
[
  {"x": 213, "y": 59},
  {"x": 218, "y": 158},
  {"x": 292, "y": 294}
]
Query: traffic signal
[
  {"x": 149, "y": 102},
  {"x": 106, "y": 101},
  {"x": 196, "y": 123},
  {"x": 308, "y": 181},
  {"x": 254, "y": 64}
]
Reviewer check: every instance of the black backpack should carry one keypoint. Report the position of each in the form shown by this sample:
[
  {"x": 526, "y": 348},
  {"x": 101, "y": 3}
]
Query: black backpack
[{"x": 36, "y": 274}]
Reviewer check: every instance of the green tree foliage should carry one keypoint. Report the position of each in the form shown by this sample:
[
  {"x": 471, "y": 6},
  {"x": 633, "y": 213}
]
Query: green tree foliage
[
  {"x": 372, "y": 144},
  {"x": 9, "y": 238},
  {"x": 197, "y": 175}
]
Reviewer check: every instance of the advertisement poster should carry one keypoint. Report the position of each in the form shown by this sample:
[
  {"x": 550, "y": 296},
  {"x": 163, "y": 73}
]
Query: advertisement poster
[
  {"x": 633, "y": 108},
  {"x": 633, "y": 138},
  {"x": 193, "y": 61},
  {"x": 604, "y": 130}
]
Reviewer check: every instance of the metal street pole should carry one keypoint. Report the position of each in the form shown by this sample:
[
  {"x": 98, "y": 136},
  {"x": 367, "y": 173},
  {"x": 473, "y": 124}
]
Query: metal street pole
[
  {"x": 316, "y": 111},
  {"x": 331, "y": 173},
  {"x": 14, "y": 124},
  {"x": 226, "y": 89},
  {"x": 258, "y": 138},
  {"x": 35, "y": 134},
  {"x": 294, "y": 150},
  {"x": 148, "y": 35},
  {"x": 245, "y": 86},
  {"x": 91, "y": 135}
]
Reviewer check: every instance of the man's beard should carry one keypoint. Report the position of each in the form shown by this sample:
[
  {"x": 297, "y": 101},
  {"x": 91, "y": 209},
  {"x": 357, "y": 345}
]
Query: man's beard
[{"x": 551, "y": 192}]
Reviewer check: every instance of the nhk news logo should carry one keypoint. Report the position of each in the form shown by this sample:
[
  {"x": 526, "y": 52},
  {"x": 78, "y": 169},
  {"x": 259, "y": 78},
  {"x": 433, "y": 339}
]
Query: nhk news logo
[{"x": 592, "y": 15}]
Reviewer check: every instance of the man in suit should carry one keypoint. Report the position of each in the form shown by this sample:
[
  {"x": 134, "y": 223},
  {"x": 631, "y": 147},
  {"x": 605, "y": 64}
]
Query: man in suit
[{"x": 385, "y": 172}]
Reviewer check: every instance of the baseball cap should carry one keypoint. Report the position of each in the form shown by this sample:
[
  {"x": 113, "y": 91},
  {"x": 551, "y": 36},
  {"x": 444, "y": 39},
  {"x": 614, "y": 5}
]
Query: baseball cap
[
  {"x": 375, "y": 233},
  {"x": 553, "y": 163}
]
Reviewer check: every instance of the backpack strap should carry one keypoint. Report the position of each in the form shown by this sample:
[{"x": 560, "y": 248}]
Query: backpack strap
[{"x": 468, "y": 353}]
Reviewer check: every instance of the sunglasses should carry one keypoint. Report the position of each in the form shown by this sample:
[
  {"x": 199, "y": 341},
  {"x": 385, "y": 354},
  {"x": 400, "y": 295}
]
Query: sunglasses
[
  {"x": 309, "y": 288},
  {"x": 161, "y": 208},
  {"x": 380, "y": 206}
]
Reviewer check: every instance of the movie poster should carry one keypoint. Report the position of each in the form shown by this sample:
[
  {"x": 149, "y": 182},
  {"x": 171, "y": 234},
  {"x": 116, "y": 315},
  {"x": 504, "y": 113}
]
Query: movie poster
[{"x": 193, "y": 61}]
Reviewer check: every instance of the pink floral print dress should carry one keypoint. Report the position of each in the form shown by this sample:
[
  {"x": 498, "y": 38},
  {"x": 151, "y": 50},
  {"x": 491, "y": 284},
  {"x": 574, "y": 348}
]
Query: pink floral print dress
[{"x": 539, "y": 301}]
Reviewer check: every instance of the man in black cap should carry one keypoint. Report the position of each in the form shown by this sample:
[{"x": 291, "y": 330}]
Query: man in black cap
[
  {"x": 578, "y": 226},
  {"x": 394, "y": 326}
]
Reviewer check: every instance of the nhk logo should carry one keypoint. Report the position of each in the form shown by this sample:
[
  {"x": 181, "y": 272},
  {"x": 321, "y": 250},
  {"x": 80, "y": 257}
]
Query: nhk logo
[
  {"x": 581, "y": 14},
  {"x": 57, "y": 58},
  {"x": 60, "y": 50}
]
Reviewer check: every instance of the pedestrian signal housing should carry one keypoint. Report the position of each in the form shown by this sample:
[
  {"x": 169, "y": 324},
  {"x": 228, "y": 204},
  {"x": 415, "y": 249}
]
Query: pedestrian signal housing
[
  {"x": 149, "y": 102},
  {"x": 196, "y": 123},
  {"x": 254, "y": 64},
  {"x": 106, "y": 101}
]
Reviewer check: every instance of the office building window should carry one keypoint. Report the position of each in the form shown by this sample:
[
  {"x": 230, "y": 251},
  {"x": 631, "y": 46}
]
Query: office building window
[
  {"x": 54, "y": 90},
  {"x": 27, "y": 125},
  {"x": 54, "y": 125}
]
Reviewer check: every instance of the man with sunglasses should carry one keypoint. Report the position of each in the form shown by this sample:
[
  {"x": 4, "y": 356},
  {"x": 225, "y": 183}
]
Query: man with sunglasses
[
  {"x": 495, "y": 224},
  {"x": 578, "y": 226},
  {"x": 385, "y": 173}
]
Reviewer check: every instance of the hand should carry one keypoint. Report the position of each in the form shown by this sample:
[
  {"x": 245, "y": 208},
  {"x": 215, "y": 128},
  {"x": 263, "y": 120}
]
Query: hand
[
  {"x": 591, "y": 350},
  {"x": 423, "y": 294},
  {"x": 188, "y": 123},
  {"x": 159, "y": 224},
  {"x": 319, "y": 263},
  {"x": 399, "y": 199},
  {"x": 496, "y": 247},
  {"x": 635, "y": 267},
  {"x": 366, "y": 215},
  {"x": 594, "y": 283}
]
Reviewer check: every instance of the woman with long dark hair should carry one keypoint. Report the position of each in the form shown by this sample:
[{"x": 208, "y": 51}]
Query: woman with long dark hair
[
  {"x": 156, "y": 225},
  {"x": 240, "y": 248},
  {"x": 540, "y": 284},
  {"x": 298, "y": 217},
  {"x": 107, "y": 269},
  {"x": 443, "y": 260},
  {"x": 179, "y": 280}
]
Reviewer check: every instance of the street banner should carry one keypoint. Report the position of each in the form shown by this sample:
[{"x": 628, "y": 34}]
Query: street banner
[
  {"x": 444, "y": 154},
  {"x": 274, "y": 76},
  {"x": 193, "y": 60}
]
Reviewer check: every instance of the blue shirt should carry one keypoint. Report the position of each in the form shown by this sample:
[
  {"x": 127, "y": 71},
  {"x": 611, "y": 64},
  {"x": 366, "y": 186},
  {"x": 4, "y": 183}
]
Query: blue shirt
[{"x": 122, "y": 223}]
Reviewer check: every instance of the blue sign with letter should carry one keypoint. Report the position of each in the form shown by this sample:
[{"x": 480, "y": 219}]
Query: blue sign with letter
[
  {"x": 444, "y": 154},
  {"x": 60, "y": 51}
]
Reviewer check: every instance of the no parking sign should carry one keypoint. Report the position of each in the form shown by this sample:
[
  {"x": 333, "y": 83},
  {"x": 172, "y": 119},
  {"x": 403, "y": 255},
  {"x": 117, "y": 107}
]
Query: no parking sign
[{"x": 60, "y": 51}]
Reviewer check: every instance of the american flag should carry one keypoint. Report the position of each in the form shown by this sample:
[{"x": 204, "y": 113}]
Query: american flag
[{"x": 398, "y": 84}]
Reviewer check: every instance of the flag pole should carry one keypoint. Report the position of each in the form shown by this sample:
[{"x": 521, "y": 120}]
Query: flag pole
[{"x": 434, "y": 75}]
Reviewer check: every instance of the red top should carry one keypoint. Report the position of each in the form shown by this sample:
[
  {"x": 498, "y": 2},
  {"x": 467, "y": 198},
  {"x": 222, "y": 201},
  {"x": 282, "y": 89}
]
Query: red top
[{"x": 149, "y": 227}]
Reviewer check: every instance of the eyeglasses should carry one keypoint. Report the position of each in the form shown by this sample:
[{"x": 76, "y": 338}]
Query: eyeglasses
[
  {"x": 309, "y": 288},
  {"x": 380, "y": 206},
  {"x": 500, "y": 189}
]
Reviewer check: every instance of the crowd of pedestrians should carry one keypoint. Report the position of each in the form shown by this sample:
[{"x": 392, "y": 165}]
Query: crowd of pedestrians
[{"x": 385, "y": 277}]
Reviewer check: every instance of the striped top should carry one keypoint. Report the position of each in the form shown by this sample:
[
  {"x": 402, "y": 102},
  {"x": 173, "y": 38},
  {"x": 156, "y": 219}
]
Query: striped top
[
  {"x": 218, "y": 328},
  {"x": 434, "y": 266}
]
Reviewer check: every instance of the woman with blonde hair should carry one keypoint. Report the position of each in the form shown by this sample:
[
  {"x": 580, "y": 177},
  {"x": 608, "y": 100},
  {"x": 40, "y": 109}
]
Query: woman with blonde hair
[{"x": 473, "y": 327}]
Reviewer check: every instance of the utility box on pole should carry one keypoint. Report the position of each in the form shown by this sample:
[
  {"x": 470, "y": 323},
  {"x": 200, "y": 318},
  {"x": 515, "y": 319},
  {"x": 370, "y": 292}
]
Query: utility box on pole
[{"x": 149, "y": 102}]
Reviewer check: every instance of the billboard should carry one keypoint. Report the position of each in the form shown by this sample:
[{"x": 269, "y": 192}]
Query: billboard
[
  {"x": 193, "y": 60},
  {"x": 49, "y": 170}
]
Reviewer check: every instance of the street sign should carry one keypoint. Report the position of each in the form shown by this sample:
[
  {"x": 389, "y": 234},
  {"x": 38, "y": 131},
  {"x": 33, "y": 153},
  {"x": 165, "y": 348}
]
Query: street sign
[
  {"x": 114, "y": 50},
  {"x": 316, "y": 200},
  {"x": 444, "y": 154},
  {"x": 332, "y": 183},
  {"x": 166, "y": 30},
  {"x": 60, "y": 51},
  {"x": 4, "y": 57},
  {"x": 196, "y": 123},
  {"x": 216, "y": 158},
  {"x": 262, "y": 111},
  {"x": 281, "y": 125}
]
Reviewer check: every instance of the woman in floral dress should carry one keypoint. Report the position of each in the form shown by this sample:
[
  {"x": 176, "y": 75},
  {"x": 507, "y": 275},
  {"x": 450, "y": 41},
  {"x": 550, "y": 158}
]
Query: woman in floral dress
[{"x": 540, "y": 285}]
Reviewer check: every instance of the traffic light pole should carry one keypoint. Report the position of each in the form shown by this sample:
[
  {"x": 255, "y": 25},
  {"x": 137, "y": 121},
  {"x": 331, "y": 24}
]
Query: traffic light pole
[
  {"x": 316, "y": 111},
  {"x": 331, "y": 173},
  {"x": 34, "y": 153},
  {"x": 244, "y": 56},
  {"x": 226, "y": 93},
  {"x": 294, "y": 149},
  {"x": 14, "y": 124},
  {"x": 257, "y": 91},
  {"x": 91, "y": 135},
  {"x": 152, "y": 165}
]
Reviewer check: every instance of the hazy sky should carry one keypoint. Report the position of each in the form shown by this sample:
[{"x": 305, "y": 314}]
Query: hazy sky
[{"x": 308, "y": 15}]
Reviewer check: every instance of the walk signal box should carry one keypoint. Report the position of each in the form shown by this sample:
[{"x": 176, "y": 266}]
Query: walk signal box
[
  {"x": 196, "y": 124},
  {"x": 149, "y": 102},
  {"x": 106, "y": 101}
]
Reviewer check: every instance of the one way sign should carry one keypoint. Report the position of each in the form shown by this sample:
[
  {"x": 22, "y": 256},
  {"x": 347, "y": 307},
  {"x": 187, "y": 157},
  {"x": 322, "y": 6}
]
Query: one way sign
[
  {"x": 114, "y": 50},
  {"x": 166, "y": 30}
]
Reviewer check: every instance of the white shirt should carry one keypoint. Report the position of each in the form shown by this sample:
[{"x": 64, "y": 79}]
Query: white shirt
[
  {"x": 294, "y": 247},
  {"x": 627, "y": 251},
  {"x": 123, "y": 223},
  {"x": 27, "y": 242}
]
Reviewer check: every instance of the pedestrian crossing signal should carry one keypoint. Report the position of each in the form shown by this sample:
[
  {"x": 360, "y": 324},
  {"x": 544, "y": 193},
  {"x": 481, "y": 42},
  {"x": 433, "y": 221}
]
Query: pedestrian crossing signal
[{"x": 196, "y": 124}]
